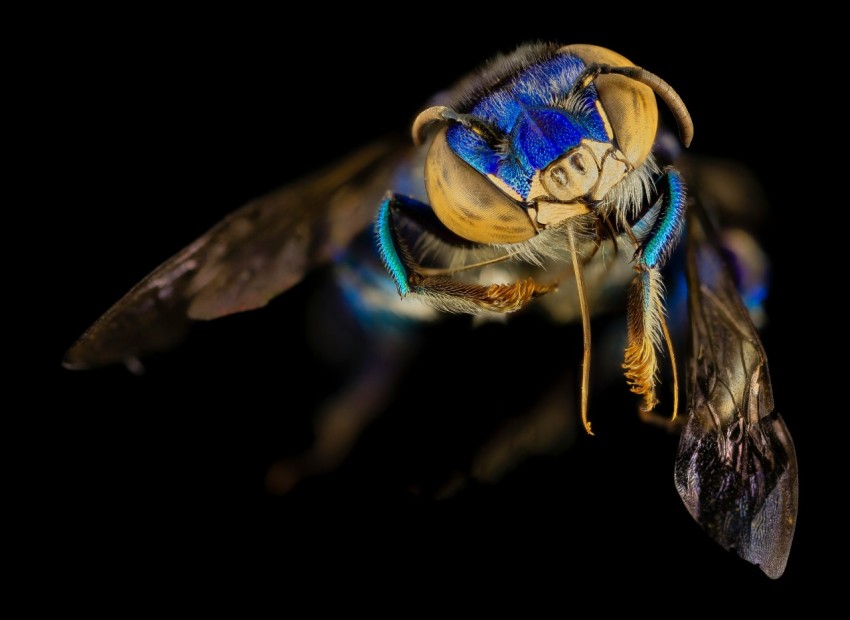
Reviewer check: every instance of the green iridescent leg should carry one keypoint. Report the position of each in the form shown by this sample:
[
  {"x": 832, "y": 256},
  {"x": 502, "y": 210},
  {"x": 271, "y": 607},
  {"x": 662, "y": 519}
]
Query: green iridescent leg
[
  {"x": 646, "y": 310},
  {"x": 435, "y": 285}
]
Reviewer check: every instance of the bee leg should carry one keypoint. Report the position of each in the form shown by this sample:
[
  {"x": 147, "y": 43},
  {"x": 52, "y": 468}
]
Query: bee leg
[
  {"x": 646, "y": 311},
  {"x": 434, "y": 285},
  {"x": 394, "y": 253},
  {"x": 546, "y": 429},
  {"x": 341, "y": 421}
]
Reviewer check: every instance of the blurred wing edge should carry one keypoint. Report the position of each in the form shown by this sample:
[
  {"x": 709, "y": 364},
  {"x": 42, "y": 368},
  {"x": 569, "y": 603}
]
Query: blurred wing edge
[
  {"x": 736, "y": 467},
  {"x": 251, "y": 256}
]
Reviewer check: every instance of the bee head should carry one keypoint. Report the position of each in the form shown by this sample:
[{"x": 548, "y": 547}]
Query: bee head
[{"x": 539, "y": 149}]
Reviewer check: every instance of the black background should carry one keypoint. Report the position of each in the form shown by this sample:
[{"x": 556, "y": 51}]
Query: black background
[{"x": 153, "y": 128}]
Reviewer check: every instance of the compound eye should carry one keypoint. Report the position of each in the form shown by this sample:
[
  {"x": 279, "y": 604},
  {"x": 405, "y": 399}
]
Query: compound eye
[{"x": 469, "y": 203}]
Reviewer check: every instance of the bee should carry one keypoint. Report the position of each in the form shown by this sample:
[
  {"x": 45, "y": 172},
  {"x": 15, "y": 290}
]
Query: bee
[{"x": 543, "y": 179}]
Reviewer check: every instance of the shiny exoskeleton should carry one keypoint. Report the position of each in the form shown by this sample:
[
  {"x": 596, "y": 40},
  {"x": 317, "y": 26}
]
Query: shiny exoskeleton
[
  {"x": 548, "y": 150},
  {"x": 531, "y": 171}
]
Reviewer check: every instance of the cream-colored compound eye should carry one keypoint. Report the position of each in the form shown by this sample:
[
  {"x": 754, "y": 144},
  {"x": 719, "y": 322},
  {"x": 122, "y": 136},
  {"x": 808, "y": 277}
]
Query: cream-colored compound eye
[
  {"x": 468, "y": 203},
  {"x": 629, "y": 106}
]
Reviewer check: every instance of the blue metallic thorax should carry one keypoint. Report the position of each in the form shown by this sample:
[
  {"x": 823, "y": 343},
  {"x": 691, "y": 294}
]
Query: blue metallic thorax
[{"x": 539, "y": 124}]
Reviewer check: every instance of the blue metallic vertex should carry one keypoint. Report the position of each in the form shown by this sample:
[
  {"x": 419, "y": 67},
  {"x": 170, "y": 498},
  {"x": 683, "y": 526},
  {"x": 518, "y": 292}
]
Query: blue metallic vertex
[
  {"x": 529, "y": 110},
  {"x": 667, "y": 228},
  {"x": 543, "y": 134},
  {"x": 387, "y": 250}
]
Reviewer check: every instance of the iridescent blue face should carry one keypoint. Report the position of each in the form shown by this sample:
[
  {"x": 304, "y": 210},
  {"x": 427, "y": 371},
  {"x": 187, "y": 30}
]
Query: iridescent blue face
[
  {"x": 530, "y": 145},
  {"x": 539, "y": 121}
]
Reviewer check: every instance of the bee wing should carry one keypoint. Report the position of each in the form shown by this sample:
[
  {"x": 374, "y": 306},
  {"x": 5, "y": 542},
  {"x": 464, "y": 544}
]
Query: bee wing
[
  {"x": 250, "y": 257},
  {"x": 736, "y": 469}
]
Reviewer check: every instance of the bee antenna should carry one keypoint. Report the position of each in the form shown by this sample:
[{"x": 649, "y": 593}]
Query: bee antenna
[
  {"x": 425, "y": 119},
  {"x": 661, "y": 88},
  {"x": 668, "y": 96},
  {"x": 440, "y": 113}
]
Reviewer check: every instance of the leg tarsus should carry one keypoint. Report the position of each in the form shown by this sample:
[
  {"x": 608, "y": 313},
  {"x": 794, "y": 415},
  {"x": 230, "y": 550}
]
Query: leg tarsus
[{"x": 435, "y": 285}]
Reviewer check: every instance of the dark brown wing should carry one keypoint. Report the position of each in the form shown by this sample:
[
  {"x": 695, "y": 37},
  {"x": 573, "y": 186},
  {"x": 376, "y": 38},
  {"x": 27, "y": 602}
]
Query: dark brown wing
[
  {"x": 736, "y": 469},
  {"x": 244, "y": 261}
]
